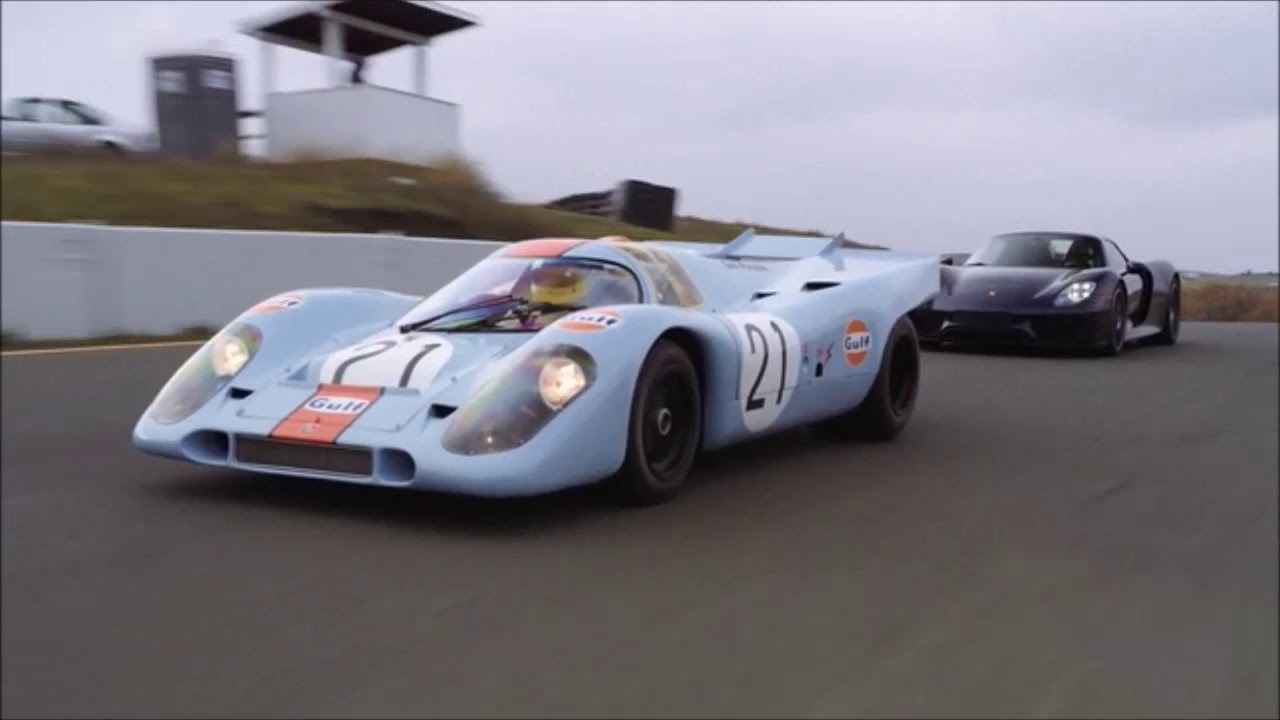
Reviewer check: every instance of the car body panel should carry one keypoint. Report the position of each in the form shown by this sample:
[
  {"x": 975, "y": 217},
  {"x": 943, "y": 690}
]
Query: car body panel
[
  {"x": 785, "y": 331},
  {"x": 1016, "y": 303}
]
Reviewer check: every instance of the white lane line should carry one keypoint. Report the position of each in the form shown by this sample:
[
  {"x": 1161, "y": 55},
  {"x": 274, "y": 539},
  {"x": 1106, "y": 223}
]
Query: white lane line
[{"x": 102, "y": 348}]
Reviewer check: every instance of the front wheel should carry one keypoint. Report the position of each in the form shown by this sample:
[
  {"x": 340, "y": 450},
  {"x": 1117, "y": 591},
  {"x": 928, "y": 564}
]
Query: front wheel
[
  {"x": 665, "y": 431},
  {"x": 1117, "y": 325},
  {"x": 888, "y": 406}
]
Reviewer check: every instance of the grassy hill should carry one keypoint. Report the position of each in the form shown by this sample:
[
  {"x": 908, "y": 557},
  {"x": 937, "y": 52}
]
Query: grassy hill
[{"x": 453, "y": 200}]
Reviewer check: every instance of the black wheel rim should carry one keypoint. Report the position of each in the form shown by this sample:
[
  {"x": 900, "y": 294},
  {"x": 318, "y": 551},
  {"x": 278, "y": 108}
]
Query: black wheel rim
[
  {"x": 904, "y": 372},
  {"x": 667, "y": 423},
  {"x": 1117, "y": 322},
  {"x": 1175, "y": 309}
]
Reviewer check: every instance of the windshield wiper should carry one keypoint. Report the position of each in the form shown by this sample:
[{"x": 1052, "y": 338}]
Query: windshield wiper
[
  {"x": 479, "y": 305},
  {"x": 522, "y": 308}
]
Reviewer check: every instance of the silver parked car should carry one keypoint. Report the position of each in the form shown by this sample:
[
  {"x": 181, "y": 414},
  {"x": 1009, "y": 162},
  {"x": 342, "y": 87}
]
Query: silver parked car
[{"x": 36, "y": 125}]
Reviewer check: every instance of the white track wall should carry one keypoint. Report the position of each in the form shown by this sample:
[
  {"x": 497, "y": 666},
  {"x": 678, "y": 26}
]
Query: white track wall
[{"x": 73, "y": 281}]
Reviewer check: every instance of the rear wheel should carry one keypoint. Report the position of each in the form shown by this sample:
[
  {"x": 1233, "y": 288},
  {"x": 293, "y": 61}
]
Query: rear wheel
[
  {"x": 888, "y": 406},
  {"x": 665, "y": 430},
  {"x": 1172, "y": 316}
]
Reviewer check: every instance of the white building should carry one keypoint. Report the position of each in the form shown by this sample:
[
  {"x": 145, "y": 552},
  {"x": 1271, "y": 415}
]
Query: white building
[{"x": 352, "y": 119}]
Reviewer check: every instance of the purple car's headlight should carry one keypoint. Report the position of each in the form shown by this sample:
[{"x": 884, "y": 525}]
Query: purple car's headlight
[
  {"x": 513, "y": 407},
  {"x": 206, "y": 373}
]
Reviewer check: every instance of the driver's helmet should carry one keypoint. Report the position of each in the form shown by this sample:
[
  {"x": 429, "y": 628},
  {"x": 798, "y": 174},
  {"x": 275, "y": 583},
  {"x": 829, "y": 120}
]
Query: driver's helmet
[
  {"x": 1080, "y": 254},
  {"x": 560, "y": 283}
]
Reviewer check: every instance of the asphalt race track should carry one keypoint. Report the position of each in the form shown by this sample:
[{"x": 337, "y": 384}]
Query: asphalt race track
[{"x": 1051, "y": 537}]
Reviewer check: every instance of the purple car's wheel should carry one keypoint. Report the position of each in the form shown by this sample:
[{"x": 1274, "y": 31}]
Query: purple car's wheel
[
  {"x": 1116, "y": 326},
  {"x": 665, "y": 431},
  {"x": 1172, "y": 315}
]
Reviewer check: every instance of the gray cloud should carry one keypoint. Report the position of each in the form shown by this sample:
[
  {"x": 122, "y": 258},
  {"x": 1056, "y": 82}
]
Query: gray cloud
[{"x": 924, "y": 126}]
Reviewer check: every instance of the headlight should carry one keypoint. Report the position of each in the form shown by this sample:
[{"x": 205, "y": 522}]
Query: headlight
[
  {"x": 229, "y": 355},
  {"x": 1075, "y": 293},
  {"x": 513, "y": 407},
  {"x": 560, "y": 381},
  {"x": 206, "y": 373}
]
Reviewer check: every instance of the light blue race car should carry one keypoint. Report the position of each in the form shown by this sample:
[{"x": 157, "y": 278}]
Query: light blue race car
[{"x": 557, "y": 362}]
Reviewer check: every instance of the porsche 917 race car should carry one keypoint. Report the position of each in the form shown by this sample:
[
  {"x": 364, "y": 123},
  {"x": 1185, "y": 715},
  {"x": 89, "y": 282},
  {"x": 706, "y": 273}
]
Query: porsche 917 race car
[
  {"x": 1059, "y": 289},
  {"x": 554, "y": 363}
]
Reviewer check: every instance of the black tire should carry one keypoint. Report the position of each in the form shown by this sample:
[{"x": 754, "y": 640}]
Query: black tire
[
  {"x": 888, "y": 406},
  {"x": 653, "y": 473},
  {"x": 1172, "y": 316},
  {"x": 1114, "y": 344}
]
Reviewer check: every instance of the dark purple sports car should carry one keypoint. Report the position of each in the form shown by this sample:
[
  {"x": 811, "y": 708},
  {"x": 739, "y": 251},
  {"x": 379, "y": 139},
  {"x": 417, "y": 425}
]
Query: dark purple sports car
[{"x": 1052, "y": 288}]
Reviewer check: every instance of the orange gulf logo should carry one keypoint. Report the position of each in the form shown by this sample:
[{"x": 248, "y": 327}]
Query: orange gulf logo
[
  {"x": 329, "y": 411},
  {"x": 590, "y": 320},
  {"x": 279, "y": 302},
  {"x": 857, "y": 342}
]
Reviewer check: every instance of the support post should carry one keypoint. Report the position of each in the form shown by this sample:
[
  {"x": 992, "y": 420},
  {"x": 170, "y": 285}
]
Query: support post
[
  {"x": 334, "y": 49},
  {"x": 420, "y": 69},
  {"x": 268, "y": 57}
]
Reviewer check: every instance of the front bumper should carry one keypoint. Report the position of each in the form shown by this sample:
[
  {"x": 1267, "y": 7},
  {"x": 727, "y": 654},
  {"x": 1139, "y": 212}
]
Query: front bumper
[
  {"x": 411, "y": 457},
  {"x": 1064, "y": 328}
]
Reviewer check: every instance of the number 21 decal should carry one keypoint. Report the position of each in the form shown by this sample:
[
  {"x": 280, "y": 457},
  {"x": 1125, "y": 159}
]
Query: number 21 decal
[
  {"x": 404, "y": 361},
  {"x": 770, "y": 366}
]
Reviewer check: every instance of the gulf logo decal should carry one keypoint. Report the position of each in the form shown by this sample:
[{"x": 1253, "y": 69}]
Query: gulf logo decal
[
  {"x": 279, "y": 302},
  {"x": 337, "y": 404},
  {"x": 590, "y": 320},
  {"x": 322, "y": 417},
  {"x": 857, "y": 342}
]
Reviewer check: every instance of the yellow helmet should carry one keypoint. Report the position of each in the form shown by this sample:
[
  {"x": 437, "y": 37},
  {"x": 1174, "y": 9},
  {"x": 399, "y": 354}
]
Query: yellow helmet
[{"x": 556, "y": 283}]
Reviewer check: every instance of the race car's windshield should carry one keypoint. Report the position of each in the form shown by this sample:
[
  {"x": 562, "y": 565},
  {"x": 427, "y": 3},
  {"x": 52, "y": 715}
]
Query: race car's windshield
[
  {"x": 1038, "y": 250},
  {"x": 522, "y": 294}
]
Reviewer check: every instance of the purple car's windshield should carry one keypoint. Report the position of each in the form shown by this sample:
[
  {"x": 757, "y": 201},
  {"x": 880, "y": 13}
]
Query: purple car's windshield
[
  {"x": 1037, "y": 250},
  {"x": 516, "y": 293}
]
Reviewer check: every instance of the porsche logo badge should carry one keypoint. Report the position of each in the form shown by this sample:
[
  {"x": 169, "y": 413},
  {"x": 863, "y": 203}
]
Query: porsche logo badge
[
  {"x": 991, "y": 293},
  {"x": 310, "y": 427}
]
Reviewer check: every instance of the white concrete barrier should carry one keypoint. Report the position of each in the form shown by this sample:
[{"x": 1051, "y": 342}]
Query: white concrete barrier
[{"x": 72, "y": 281}]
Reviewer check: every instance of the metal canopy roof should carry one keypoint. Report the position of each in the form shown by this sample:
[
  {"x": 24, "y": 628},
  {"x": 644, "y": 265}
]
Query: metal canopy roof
[{"x": 371, "y": 26}]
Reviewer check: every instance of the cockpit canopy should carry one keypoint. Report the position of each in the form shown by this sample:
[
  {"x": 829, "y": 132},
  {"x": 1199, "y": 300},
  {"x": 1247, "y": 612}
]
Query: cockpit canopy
[{"x": 523, "y": 293}]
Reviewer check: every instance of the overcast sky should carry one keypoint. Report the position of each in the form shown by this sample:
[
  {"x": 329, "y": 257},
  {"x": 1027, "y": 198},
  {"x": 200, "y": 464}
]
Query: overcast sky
[{"x": 925, "y": 126}]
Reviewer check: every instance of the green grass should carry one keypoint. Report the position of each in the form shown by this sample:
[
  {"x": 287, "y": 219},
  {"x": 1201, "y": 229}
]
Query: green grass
[
  {"x": 1230, "y": 302},
  {"x": 13, "y": 341},
  {"x": 451, "y": 200}
]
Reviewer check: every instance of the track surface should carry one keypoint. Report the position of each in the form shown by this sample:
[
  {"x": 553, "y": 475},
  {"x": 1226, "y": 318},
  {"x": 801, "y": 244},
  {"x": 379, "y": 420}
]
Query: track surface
[{"x": 1050, "y": 537}]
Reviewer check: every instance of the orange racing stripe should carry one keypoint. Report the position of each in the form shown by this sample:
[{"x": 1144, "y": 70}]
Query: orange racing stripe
[
  {"x": 544, "y": 247},
  {"x": 330, "y": 410}
]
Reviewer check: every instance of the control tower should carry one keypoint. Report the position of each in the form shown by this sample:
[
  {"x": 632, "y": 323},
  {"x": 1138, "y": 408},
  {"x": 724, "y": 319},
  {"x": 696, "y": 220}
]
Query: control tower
[{"x": 353, "y": 119}]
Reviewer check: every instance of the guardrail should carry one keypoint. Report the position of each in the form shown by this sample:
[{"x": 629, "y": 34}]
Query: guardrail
[{"x": 76, "y": 281}]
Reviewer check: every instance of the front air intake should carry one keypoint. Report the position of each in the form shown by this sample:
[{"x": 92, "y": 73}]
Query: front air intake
[{"x": 340, "y": 460}]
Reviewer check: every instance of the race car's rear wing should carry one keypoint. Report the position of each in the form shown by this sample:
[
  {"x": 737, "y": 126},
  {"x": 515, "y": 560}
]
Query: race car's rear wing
[{"x": 749, "y": 245}]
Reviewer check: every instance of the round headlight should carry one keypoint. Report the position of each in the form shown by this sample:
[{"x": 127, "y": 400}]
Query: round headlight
[
  {"x": 560, "y": 380},
  {"x": 229, "y": 355}
]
